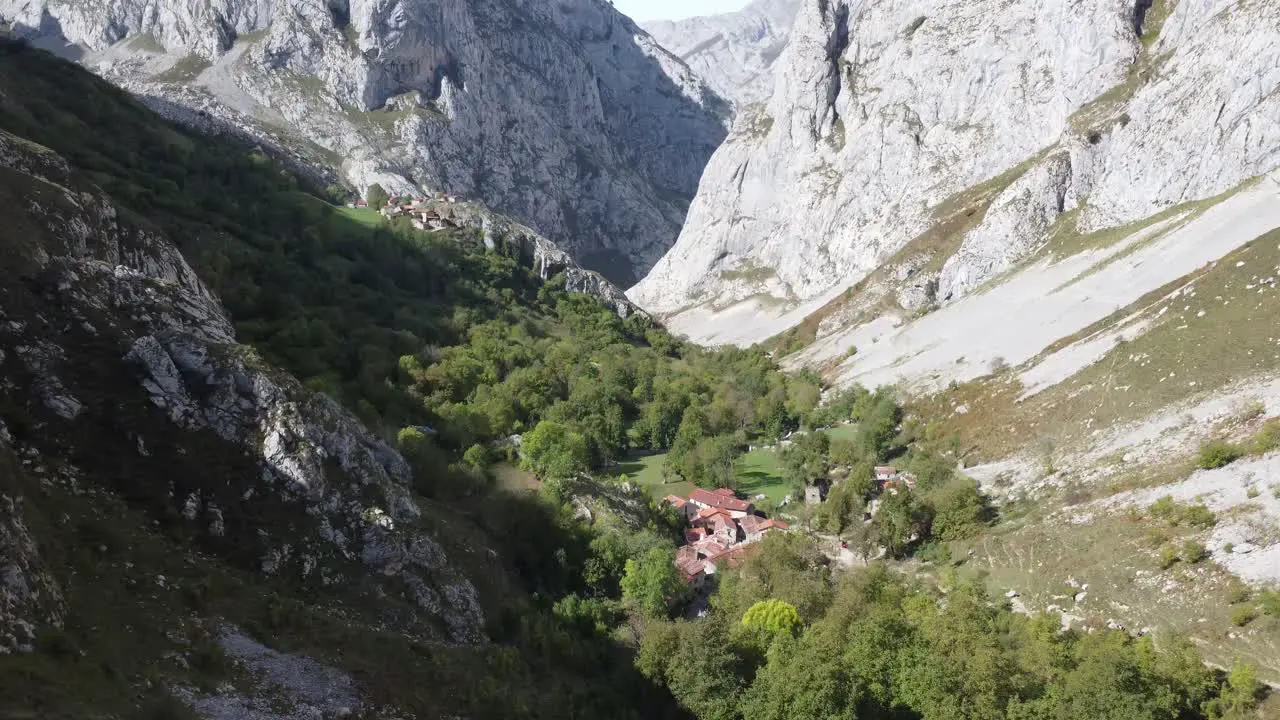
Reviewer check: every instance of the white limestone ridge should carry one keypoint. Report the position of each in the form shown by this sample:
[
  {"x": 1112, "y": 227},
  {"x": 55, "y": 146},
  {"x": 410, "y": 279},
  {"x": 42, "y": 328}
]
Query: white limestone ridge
[
  {"x": 565, "y": 115},
  {"x": 734, "y": 52},
  {"x": 881, "y": 111}
]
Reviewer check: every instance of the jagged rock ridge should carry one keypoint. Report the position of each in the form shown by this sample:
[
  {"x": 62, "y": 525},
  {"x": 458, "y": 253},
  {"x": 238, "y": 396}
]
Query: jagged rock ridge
[
  {"x": 734, "y": 52},
  {"x": 564, "y": 115},
  {"x": 125, "y": 359},
  {"x": 883, "y": 111}
]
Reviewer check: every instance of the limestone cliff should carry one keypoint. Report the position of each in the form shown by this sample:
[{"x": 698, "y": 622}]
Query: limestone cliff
[
  {"x": 888, "y": 117},
  {"x": 734, "y": 52},
  {"x": 565, "y": 115}
]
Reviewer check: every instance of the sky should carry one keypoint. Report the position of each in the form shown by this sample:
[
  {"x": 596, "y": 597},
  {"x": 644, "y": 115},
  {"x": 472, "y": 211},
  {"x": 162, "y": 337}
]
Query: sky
[{"x": 644, "y": 10}]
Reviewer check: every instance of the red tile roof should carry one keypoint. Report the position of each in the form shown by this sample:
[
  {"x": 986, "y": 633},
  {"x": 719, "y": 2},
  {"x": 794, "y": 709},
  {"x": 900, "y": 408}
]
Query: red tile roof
[
  {"x": 712, "y": 548},
  {"x": 719, "y": 500},
  {"x": 675, "y": 502},
  {"x": 726, "y": 492},
  {"x": 755, "y": 524},
  {"x": 711, "y": 512},
  {"x": 691, "y": 567},
  {"x": 693, "y": 535},
  {"x": 721, "y": 524}
]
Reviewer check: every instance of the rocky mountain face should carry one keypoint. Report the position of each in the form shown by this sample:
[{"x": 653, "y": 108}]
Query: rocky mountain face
[
  {"x": 948, "y": 141},
  {"x": 121, "y": 367},
  {"x": 734, "y": 52},
  {"x": 564, "y": 115}
]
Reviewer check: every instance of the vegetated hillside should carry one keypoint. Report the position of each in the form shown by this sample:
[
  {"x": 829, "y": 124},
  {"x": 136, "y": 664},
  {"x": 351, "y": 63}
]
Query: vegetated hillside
[
  {"x": 564, "y": 115},
  {"x": 172, "y": 497},
  {"x": 191, "y": 530},
  {"x": 1077, "y": 288}
]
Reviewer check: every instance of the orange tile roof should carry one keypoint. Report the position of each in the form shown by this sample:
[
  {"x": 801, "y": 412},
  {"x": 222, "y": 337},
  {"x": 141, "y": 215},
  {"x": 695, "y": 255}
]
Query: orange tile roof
[{"x": 719, "y": 500}]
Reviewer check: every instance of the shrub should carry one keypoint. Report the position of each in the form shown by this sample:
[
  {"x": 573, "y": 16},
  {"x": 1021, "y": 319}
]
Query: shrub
[
  {"x": 1243, "y": 615},
  {"x": 1269, "y": 601},
  {"x": 1175, "y": 513},
  {"x": 1218, "y": 453},
  {"x": 1193, "y": 551},
  {"x": 1168, "y": 557},
  {"x": 1157, "y": 536},
  {"x": 1199, "y": 516},
  {"x": 938, "y": 553},
  {"x": 775, "y": 617},
  {"x": 478, "y": 457},
  {"x": 1238, "y": 593},
  {"x": 1252, "y": 493},
  {"x": 1266, "y": 439}
]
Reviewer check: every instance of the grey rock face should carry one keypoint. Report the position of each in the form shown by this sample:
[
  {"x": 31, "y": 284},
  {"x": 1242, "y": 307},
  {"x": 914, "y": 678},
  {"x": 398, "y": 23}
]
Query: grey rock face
[
  {"x": 1207, "y": 118},
  {"x": 342, "y": 507},
  {"x": 299, "y": 440},
  {"x": 1011, "y": 229},
  {"x": 563, "y": 114},
  {"x": 881, "y": 111},
  {"x": 734, "y": 52},
  {"x": 540, "y": 253},
  {"x": 28, "y": 595}
]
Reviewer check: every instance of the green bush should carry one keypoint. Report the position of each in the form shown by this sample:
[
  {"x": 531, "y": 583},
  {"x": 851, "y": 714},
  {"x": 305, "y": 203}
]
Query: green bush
[
  {"x": 1238, "y": 593},
  {"x": 1193, "y": 551},
  {"x": 1266, "y": 439},
  {"x": 1243, "y": 615},
  {"x": 776, "y": 617},
  {"x": 1218, "y": 453},
  {"x": 1176, "y": 513},
  {"x": 1269, "y": 601},
  {"x": 1167, "y": 558}
]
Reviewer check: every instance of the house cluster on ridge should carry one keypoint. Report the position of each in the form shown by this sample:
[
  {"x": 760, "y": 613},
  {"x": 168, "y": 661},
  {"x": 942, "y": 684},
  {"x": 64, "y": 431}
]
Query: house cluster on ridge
[
  {"x": 889, "y": 479},
  {"x": 424, "y": 214},
  {"x": 721, "y": 527}
]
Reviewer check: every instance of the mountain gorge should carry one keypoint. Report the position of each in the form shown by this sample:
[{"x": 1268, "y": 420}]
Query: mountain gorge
[
  {"x": 965, "y": 359},
  {"x": 1031, "y": 119},
  {"x": 460, "y": 96},
  {"x": 734, "y": 52}
]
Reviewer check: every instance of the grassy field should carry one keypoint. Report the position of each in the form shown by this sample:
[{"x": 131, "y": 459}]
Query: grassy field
[
  {"x": 842, "y": 432},
  {"x": 365, "y": 216},
  {"x": 758, "y": 472},
  {"x": 646, "y": 471}
]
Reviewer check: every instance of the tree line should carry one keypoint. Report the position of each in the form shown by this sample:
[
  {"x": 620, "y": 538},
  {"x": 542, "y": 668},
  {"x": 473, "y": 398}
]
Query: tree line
[{"x": 787, "y": 639}]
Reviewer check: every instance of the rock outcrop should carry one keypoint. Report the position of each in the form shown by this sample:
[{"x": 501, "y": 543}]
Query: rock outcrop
[
  {"x": 539, "y": 253},
  {"x": 29, "y": 597},
  {"x": 120, "y": 357},
  {"x": 885, "y": 113},
  {"x": 564, "y": 115},
  {"x": 734, "y": 52}
]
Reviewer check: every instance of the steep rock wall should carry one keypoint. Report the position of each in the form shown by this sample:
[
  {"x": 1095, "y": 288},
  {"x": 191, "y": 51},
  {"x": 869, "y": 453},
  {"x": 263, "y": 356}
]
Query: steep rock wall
[
  {"x": 880, "y": 112},
  {"x": 565, "y": 115}
]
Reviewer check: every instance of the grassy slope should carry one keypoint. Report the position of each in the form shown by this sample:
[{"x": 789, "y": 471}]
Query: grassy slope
[
  {"x": 758, "y": 472},
  {"x": 1185, "y": 354},
  {"x": 110, "y": 538},
  {"x": 365, "y": 216}
]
